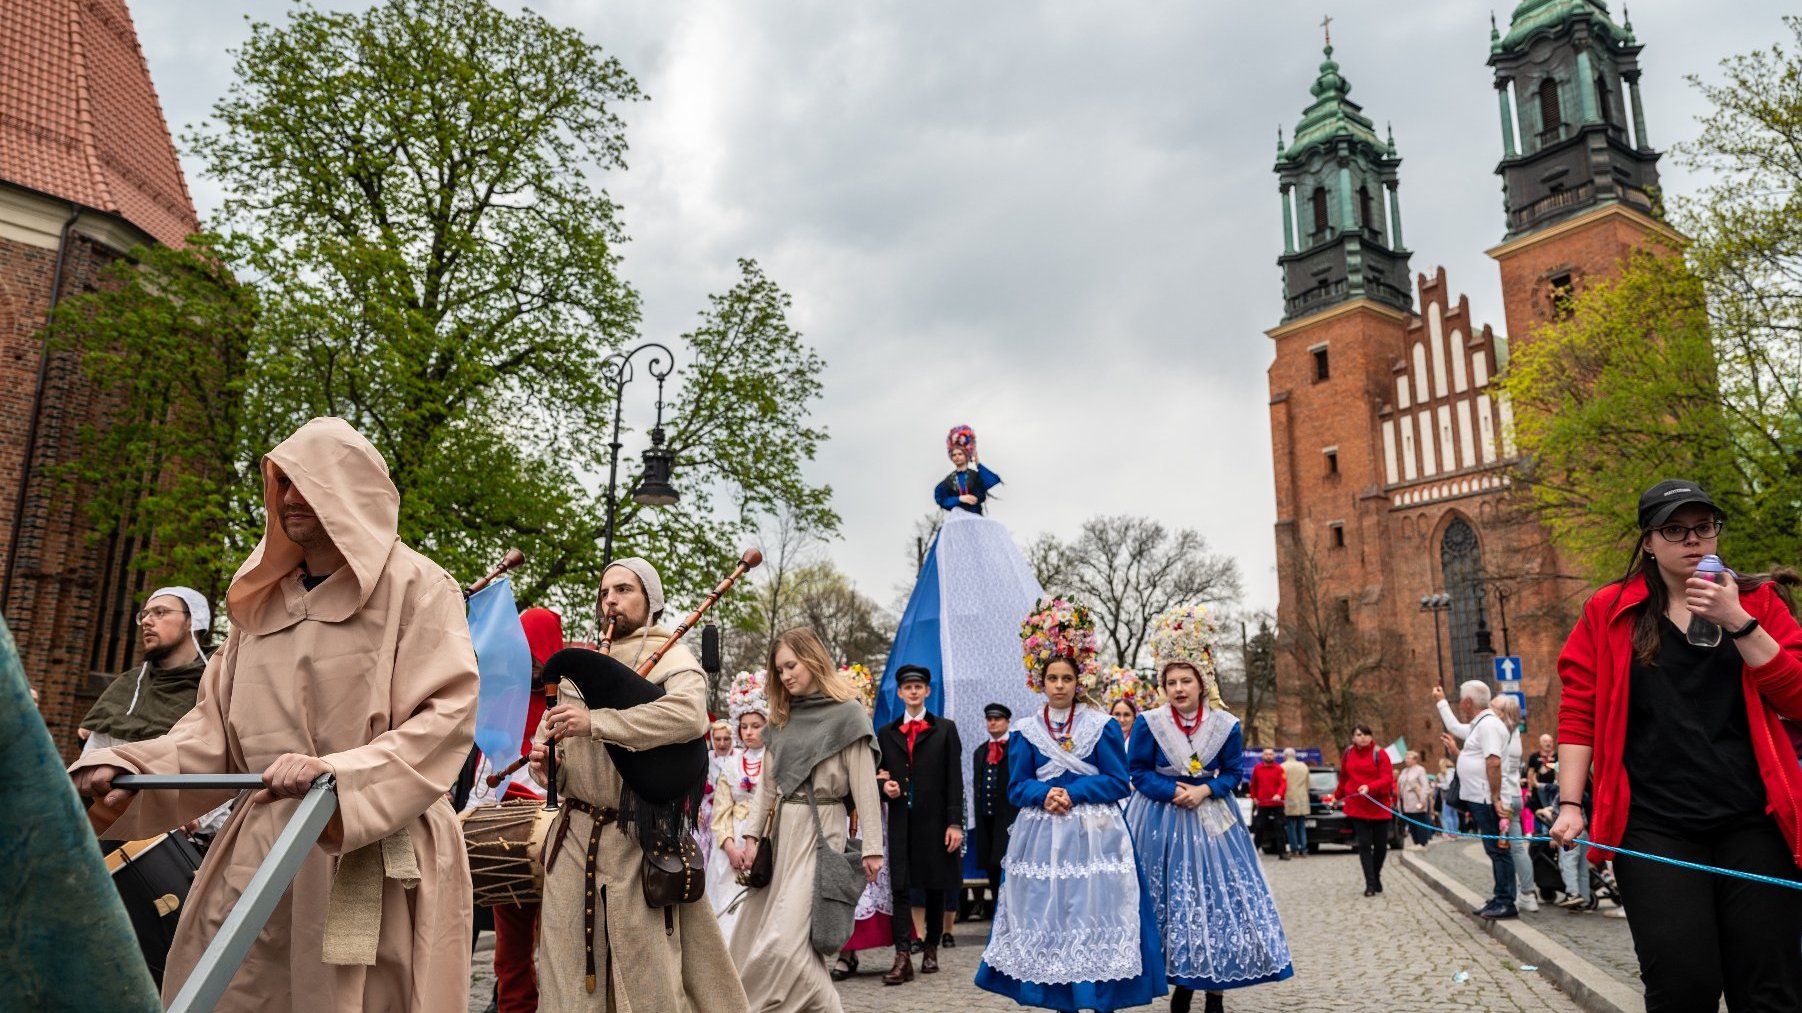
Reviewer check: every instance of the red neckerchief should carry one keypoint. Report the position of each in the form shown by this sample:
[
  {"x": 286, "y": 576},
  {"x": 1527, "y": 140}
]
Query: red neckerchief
[
  {"x": 997, "y": 750},
  {"x": 912, "y": 730},
  {"x": 1187, "y": 730}
]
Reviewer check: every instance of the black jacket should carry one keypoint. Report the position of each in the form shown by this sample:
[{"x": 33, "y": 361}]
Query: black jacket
[
  {"x": 931, "y": 799},
  {"x": 994, "y": 814}
]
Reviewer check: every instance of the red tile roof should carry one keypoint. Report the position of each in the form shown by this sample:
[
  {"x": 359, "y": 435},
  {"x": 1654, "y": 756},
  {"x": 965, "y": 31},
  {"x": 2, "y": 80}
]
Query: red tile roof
[{"x": 79, "y": 118}]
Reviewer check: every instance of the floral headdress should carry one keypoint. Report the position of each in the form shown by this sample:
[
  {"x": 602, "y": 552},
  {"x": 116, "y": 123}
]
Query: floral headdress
[
  {"x": 1058, "y": 629},
  {"x": 961, "y": 438},
  {"x": 1186, "y": 634},
  {"x": 747, "y": 695},
  {"x": 1126, "y": 684},
  {"x": 863, "y": 681}
]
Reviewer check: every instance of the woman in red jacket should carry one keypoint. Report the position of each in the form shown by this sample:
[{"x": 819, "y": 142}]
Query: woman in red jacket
[
  {"x": 1365, "y": 774},
  {"x": 1690, "y": 762}
]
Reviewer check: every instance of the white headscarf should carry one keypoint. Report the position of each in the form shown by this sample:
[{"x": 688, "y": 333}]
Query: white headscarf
[{"x": 647, "y": 579}]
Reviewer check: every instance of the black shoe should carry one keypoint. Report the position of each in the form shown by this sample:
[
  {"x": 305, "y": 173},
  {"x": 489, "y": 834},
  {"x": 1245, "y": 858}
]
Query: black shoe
[
  {"x": 1378, "y": 888},
  {"x": 850, "y": 968},
  {"x": 1180, "y": 998},
  {"x": 1500, "y": 913},
  {"x": 1216, "y": 1003},
  {"x": 1282, "y": 856},
  {"x": 948, "y": 941},
  {"x": 1368, "y": 892}
]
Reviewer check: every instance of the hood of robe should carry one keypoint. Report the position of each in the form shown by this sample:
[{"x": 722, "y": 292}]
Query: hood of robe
[{"x": 345, "y": 481}]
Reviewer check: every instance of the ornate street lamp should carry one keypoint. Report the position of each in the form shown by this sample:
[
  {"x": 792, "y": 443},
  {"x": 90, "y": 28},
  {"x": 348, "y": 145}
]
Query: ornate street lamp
[{"x": 655, "y": 488}]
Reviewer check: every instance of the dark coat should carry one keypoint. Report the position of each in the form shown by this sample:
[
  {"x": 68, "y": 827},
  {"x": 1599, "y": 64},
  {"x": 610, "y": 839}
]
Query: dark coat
[
  {"x": 931, "y": 799},
  {"x": 994, "y": 814}
]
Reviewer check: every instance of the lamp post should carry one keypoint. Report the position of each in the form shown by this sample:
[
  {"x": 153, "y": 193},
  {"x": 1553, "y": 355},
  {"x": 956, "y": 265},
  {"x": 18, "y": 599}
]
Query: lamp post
[
  {"x": 1437, "y": 603},
  {"x": 654, "y": 489},
  {"x": 1501, "y": 601}
]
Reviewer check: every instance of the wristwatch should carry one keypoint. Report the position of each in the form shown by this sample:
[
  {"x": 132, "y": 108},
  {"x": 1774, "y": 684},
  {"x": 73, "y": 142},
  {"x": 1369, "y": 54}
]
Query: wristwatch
[{"x": 1751, "y": 624}]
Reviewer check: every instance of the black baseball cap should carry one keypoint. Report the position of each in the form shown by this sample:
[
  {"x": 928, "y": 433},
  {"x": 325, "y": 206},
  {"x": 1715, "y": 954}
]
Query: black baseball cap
[
  {"x": 1657, "y": 504},
  {"x": 913, "y": 673}
]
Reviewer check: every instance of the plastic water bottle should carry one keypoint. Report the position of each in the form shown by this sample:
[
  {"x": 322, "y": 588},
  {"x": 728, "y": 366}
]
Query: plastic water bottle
[{"x": 1703, "y": 632}]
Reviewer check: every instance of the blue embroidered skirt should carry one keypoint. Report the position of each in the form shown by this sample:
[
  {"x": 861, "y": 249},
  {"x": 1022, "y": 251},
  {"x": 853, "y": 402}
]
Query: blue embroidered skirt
[{"x": 1216, "y": 917}]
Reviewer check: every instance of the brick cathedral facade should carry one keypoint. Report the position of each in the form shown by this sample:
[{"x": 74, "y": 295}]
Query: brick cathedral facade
[
  {"x": 87, "y": 172},
  {"x": 1406, "y": 555}
]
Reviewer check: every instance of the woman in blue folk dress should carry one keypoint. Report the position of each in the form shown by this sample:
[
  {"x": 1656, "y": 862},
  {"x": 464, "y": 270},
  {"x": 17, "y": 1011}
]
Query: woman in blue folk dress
[
  {"x": 1217, "y": 920},
  {"x": 1073, "y": 928}
]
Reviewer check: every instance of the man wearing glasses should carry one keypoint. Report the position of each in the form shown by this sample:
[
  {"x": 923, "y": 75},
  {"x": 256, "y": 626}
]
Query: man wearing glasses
[{"x": 143, "y": 703}]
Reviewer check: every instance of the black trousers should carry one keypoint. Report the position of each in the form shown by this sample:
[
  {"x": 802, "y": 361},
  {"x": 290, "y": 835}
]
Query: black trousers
[
  {"x": 901, "y": 923},
  {"x": 1372, "y": 837},
  {"x": 1699, "y": 935}
]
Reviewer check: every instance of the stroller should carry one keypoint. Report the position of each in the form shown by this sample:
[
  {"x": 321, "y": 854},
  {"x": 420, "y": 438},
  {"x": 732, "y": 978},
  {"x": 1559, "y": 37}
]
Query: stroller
[{"x": 1548, "y": 878}]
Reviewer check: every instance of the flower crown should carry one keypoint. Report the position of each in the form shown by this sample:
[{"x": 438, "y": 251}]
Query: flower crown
[
  {"x": 1126, "y": 684},
  {"x": 862, "y": 680},
  {"x": 1058, "y": 629},
  {"x": 747, "y": 695},
  {"x": 960, "y": 438},
  {"x": 1186, "y": 634}
]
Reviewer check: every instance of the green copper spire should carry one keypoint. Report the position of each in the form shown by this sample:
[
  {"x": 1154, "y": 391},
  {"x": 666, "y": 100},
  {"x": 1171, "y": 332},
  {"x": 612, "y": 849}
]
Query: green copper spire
[
  {"x": 1495, "y": 35},
  {"x": 1535, "y": 15},
  {"x": 1627, "y": 25},
  {"x": 1333, "y": 113}
]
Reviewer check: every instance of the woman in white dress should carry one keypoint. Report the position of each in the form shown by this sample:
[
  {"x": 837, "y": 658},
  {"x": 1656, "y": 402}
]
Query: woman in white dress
[{"x": 733, "y": 787}]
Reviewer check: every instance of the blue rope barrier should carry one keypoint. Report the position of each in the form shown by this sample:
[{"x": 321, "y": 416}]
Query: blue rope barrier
[{"x": 1788, "y": 884}]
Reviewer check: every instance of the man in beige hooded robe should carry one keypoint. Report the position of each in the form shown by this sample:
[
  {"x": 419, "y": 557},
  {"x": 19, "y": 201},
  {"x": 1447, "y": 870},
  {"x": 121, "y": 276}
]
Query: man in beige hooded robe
[
  {"x": 349, "y": 653},
  {"x": 639, "y": 966}
]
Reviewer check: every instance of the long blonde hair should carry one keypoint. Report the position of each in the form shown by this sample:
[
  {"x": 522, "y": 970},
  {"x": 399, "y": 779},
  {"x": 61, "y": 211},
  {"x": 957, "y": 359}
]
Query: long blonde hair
[{"x": 811, "y": 653}]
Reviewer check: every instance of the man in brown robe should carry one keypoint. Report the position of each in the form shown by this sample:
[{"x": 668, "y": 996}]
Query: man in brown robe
[
  {"x": 638, "y": 966},
  {"x": 349, "y": 653}
]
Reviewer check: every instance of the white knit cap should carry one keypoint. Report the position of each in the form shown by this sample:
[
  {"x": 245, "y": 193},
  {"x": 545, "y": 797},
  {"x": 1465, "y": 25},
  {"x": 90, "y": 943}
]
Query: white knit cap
[{"x": 647, "y": 579}]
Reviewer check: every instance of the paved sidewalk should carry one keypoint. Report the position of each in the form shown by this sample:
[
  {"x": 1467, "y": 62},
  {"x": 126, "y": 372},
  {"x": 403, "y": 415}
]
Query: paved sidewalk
[{"x": 1397, "y": 953}]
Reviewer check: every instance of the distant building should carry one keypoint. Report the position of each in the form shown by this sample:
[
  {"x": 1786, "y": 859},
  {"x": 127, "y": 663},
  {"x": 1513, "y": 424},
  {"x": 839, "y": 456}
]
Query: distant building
[
  {"x": 87, "y": 171},
  {"x": 1393, "y": 449}
]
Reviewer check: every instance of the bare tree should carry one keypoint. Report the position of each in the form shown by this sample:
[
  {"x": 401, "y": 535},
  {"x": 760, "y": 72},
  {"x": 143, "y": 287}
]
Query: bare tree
[
  {"x": 1332, "y": 657},
  {"x": 1129, "y": 569},
  {"x": 1248, "y": 674},
  {"x": 852, "y": 626}
]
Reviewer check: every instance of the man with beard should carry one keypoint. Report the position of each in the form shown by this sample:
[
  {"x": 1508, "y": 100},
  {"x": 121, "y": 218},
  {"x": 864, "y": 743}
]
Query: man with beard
[
  {"x": 143, "y": 703},
  {"x": 600, "y": 946},
  {"x": 349, "y": 655}
]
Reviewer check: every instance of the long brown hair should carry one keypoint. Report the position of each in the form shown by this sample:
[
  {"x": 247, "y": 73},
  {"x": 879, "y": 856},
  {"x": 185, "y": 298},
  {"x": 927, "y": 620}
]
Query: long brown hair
[
  {"x": 811, "y": 653},
  {"x": 1658, "y": 597}
]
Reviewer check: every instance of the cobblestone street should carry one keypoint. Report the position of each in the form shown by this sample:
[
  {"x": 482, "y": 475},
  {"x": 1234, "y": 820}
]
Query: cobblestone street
[{"x": 1400, "y": 952}]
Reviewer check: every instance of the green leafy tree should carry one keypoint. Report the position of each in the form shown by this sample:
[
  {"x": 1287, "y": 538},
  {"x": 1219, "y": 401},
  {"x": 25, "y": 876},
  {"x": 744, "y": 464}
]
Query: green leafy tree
[
  {"x": 167, "y": 463},
  {"x": 1687, "y": 363},
  {"x": 420, "y": 250}
]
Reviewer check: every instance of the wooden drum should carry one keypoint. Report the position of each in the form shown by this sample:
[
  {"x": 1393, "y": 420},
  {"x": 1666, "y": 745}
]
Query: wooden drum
[{"x": 506, "y": 844}]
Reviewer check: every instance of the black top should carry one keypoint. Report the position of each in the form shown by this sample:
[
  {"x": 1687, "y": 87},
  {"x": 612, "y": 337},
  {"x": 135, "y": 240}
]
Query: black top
[
  {"x": 309, "y": 582},
  {"x": 1689, "y": 757}
]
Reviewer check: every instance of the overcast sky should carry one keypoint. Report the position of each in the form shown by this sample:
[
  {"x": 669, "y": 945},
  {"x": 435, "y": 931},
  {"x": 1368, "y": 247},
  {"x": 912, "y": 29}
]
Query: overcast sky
[{"x": 1055, "y": 222}]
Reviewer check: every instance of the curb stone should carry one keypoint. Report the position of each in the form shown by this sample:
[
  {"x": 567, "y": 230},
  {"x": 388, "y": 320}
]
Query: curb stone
[{"x": 1588, "y": 985}]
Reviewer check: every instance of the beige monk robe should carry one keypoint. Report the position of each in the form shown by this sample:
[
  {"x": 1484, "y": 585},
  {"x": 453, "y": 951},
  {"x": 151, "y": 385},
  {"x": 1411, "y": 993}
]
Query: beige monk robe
[
  {"x": 372, "y": 672},
  {"x": 639, "y": 968},
  {"x": 772, "y": 943}
]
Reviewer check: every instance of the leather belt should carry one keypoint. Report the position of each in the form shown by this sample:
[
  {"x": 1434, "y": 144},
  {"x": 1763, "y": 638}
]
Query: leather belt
[
  {"x": 601, "y": 815},
  {"x": 800, "y": 798}
]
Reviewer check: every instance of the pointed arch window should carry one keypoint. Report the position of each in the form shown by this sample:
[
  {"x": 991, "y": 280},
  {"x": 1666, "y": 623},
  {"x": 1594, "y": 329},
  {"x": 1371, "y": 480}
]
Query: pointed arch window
[
  {"x": 1461, "y": 566},
  {"x": 1319, "y": 209},
  {"x": 1551, "y": 115}
]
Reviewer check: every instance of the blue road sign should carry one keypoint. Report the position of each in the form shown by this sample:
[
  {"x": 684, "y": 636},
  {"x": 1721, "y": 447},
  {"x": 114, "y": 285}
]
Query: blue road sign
[
  {"x": 1520, "y": 698},
  {"x": 1507, "y": 669}
]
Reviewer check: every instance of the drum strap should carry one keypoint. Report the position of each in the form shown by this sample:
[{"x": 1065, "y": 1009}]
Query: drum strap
[
  {"x": 595, "y": 893},
  {"x": 353, "y": 919}
]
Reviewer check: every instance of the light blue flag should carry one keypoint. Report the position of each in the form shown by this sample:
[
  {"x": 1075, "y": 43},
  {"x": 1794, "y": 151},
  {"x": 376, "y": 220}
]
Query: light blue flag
[{"x": 505, "y": 662}]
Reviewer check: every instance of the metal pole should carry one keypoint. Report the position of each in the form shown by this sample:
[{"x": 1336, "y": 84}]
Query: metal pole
[
  {"x": 619, "y": 396},
  {"x": 1438, "y": 651},
  {"x": 1501, "y": 600}
]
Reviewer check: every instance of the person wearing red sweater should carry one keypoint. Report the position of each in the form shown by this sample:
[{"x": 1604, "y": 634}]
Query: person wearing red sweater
[
  {"x": 1690, "y": 761},
  {"x": 1366, "y": 777},
  {"x": 1269, "y": 785}
]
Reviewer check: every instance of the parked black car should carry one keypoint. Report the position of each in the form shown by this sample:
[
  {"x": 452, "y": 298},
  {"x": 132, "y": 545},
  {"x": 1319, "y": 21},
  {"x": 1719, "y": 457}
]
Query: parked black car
[{"x": 1326, "y": 823}]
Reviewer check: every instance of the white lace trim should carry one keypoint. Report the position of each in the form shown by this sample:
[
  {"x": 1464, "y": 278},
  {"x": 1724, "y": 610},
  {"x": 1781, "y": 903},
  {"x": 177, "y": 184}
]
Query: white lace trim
[
  {"x": 1059, "y": 870},
  {"x": 1065, "y": 954},
  {"x": 1085, "y": 734}
]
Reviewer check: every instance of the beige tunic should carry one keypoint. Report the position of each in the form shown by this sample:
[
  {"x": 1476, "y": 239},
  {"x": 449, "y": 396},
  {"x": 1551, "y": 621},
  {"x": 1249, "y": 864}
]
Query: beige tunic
[
  {"x": 640, "y": 968},
  {"x": 372, "y": 672},
  {"x": 771, "y": 944}
]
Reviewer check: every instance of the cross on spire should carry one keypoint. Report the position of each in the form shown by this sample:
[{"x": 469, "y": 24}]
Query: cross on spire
[{"x": 1326, "y": 26}]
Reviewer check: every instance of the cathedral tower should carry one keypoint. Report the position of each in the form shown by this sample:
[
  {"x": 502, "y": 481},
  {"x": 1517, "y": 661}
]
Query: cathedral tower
[{"x": 1579, "y": 175}]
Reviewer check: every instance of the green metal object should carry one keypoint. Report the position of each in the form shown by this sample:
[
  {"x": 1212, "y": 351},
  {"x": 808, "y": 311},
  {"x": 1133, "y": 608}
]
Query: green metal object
[
  {"x": 65, "y": 942},
  {"x": 1332, "y": 114},
  {"x": 1536, "y": 15}
]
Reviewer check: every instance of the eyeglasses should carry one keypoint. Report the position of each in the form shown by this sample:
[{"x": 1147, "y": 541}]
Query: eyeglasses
[
  {"x": 1680, "y": 532},
  {"x": 159, "y": 613}
]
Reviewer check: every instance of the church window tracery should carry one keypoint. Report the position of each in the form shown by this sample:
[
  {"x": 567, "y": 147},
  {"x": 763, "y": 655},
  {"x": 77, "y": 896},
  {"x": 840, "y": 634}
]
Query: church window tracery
[{"x": 1461, "y": 566}]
